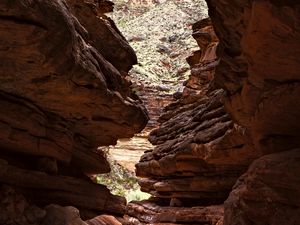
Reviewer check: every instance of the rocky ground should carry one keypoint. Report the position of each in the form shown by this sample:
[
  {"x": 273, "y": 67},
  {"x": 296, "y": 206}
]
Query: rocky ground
[{"x": 160, "y": 33}]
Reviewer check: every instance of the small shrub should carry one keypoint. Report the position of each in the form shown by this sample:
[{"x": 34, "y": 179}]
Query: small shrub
[{"x": 122, "y": 182}]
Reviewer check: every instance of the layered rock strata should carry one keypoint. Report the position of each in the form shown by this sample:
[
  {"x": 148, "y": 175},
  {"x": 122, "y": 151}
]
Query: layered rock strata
[
  {"x": 259, "y": 68},
  {"x": 63, "y": 93},
  {"x": 155, "y": 100},
  {"x": 198, "y": 155},
  {"x": 197, "y": 141},
  {"x": 200, "y": 152},
  {"x": 268, "y": 193},
  {"x": 149, "y": 212}
]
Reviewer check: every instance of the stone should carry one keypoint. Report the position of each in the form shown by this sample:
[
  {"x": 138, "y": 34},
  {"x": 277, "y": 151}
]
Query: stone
[
  {"x": 268, "y": 193},
  {"x": 58, "y": 215},
  {"x": 15, "y": 209},
  {"x": 103, "y": 220},
  {"x": 103, "y": 33},
  {"x": 44, "y": 189},
  {"x": 259, "y": 68},
  {"x": 149, "y": 212},
  {"x": 64, "y": 92},
  {"x": 59, "y": 90},
  {"x": 200, "y": 152}
]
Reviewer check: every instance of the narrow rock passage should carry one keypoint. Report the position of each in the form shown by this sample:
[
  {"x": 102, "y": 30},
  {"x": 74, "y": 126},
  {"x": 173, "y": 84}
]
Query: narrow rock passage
[
  {"x": 160, "y": 33},
  {"x": 226, "y": 150}
]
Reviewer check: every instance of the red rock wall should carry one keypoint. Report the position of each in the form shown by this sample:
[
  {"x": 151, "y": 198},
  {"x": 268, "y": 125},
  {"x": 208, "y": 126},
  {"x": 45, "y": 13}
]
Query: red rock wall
[
  {"x": 63, "y": 93},
  {"x": 259, "y": 69},
  {"x": 201, "y": 151},
  {"x": 191, "y": 165}
]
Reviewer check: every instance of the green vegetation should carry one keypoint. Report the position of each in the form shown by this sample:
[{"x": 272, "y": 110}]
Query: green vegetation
[
  {"x": 122, "y": 182},
  {"x": 160, "y": 33}
]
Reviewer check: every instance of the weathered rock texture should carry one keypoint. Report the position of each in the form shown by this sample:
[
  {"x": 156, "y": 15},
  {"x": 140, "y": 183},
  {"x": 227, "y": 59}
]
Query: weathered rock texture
[
  {"x": 149, "y": 212},
  {"x": 199, "y": 151},
  {"x": 63, "y": 93},
  {"x": 155, "y": 100},
  {"x": 259, "y": 69},
  {"x": 268, "y": 193},
  {"x": 14, "y": 208}
]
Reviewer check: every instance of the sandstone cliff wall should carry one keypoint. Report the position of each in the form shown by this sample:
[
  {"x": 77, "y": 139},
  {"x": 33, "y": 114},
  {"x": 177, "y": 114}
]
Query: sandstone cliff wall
[
  {"x": 63, "y": 93},
  {"x": 259, "y": 69},
  {"x": 201, "y": 151}
]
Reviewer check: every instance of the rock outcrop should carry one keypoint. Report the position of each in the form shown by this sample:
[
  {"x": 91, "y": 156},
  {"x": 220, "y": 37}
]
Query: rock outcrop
[
  {"x": 155, "y": 100},
  {"x": 197, "y": 140},
  {"x": 149, "y": 212},
  {"x": 15, "y": 209},
  {"x": 199, "y": 151},
  {"x": 259, "y": 69},
  {"x": 63, "y": 93},
  {"x": 268, "y": 193}
]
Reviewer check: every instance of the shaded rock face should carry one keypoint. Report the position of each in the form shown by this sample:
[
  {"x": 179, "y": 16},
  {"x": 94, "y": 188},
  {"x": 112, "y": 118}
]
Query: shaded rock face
[
  {"x": 63, "y": 93},
  {"x": 103, "y": 33},
  {"x": 14, "y": 208},
  {"x": 268, "y": 193},
  {"x": 155, "y": 101},
  {"x": 259, "y": 68}
]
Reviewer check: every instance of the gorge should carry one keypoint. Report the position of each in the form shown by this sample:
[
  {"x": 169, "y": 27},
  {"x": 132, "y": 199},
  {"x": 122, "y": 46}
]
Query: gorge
[{"x": 226, "y": 150}]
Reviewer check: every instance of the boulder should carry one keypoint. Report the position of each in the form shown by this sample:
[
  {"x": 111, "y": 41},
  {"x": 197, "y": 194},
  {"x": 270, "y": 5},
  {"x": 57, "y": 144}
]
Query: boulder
[{"x": 268, "y": 193}]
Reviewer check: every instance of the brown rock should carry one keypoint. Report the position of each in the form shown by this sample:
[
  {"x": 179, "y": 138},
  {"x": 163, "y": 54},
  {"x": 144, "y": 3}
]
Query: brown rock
[
  {"x": 14, "y": 209},
  {"x": 268, "y": 193},
  {"x": 103, "y": 33},
  {"x": 199, "y": 151},
  {"x": 45, "y": 189},
  {"x": 259, "y": 67},
  {"x": 68, "y": 91},
  {"x": 149, "y": 212},
  {"x": 103, "y": 220},
  {"x": 58, "y": 215}
]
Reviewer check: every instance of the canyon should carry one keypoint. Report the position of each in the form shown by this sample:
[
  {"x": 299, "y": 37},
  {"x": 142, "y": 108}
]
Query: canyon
[{"x": 226, "y": 149}]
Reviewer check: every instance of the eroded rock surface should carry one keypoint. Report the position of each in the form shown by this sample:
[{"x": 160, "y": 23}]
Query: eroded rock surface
[
  {"x": 197, "y": 141},
  {"x": 199, "y": 151},
  {"x": 149, "y": 212},
  {"x": 15, "y": 209},
  {"x": 63, "y": 93},
  {"x": 259, "y": 69},
  {"x": 268, "y": 193}
]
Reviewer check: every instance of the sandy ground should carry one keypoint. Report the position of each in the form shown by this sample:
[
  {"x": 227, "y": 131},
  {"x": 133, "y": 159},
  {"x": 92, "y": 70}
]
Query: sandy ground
[{"x": 128, "y": 151}]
